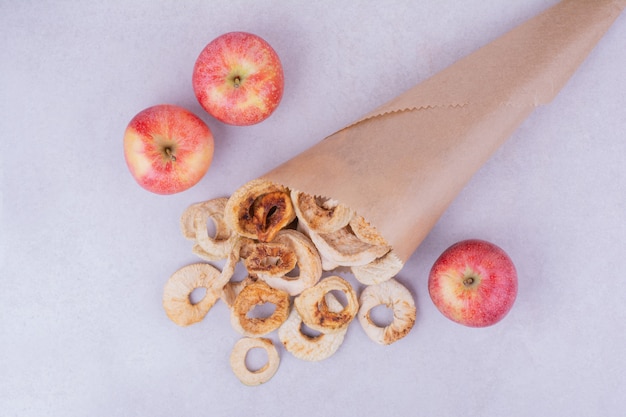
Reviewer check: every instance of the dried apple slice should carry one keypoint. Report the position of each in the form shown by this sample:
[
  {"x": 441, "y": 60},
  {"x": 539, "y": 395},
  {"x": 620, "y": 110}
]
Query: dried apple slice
[
  {"x": 232, "y": 259},
  {"x": 222, "y": 243},
  {"x": 315, "y": 312},
  {"x": 187, "y": 221},
  {"x": 182, "y": 283},
  {"x": 311, "y": 348},
  {"x": 269, "y": 259},
  {"x": 238, "y": 360},
  {"x": 379, "y": 270},
  {"x": 308, "y": 263},
  {"x": 320, "y": 215},
  {"x": 344, "y": 248},
  {"x": 366, "y": 232},
  {"x": 259, "y": 209},
  {"x": 232, "y": 289},
  {"x": 193, "y": 223},
  {"x": 253, "y": 294},
  {"x": 395, "y": 296}
]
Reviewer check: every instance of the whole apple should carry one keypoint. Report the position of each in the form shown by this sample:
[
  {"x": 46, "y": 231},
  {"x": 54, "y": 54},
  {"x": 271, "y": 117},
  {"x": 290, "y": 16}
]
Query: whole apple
[
  {"x": 238, "y": 79},
  {"x": 473, "y": 283},
  {"x": 168, "y": 149}
]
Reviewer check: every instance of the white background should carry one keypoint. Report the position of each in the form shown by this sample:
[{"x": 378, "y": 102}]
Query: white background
[{"x": 86, "y": 251}]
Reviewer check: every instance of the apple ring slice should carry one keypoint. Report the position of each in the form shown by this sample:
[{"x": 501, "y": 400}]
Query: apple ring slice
[
  {"x": 315, "y": 312},
  {"x": 238, "y": 361},
  {"x": 251, "y": 295},
  {"x": 395, "y": 296},
  {"x": 259, "y": 209},
  {"x": 269, "y": 259},
  {"x": 366, "y": 232},
  {"x": 219, "y": 246},
  {"x": 311, "y": 348},
  {"x": 187, "y": 221},
  {"x": 181, "y": 284},
  {"x": 344, "y": 248},
  {"x": 320, "y": 215},
  {"x": 232, "y": 289},
  {"x": 308, "y": 263},
  {"x": 379, "y": 270},
  {"x": 193, "y": 223},
  {"x": 228, "y": 270}
]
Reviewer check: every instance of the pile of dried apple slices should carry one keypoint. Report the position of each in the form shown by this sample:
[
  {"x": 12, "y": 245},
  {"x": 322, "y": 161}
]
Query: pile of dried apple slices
[{"x": 287, "y": 240}]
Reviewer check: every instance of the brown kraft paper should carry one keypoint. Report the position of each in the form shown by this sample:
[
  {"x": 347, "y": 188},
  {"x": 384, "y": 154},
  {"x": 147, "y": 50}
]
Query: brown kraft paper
[{"x": 401, "y": 165}]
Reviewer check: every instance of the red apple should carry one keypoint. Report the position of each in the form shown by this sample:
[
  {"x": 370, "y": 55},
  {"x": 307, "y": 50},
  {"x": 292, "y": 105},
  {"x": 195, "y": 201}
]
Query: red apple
[
  {"x": 238, "y": 79},
  {"x": 167, "y": 148},
  {"x": 473, "y": 283}
]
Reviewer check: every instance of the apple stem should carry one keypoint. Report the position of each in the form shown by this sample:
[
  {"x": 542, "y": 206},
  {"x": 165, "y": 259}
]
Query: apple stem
[
  {"x": 168, "y": 152},
  {"x": 237, "y": 81}
]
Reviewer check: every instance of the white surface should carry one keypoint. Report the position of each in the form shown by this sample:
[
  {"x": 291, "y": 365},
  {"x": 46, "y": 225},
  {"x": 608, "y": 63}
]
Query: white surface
[{"x": 86, "y": 252}]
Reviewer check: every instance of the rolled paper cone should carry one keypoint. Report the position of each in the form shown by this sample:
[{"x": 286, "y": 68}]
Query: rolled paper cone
[{"x": 402, "y": 165}]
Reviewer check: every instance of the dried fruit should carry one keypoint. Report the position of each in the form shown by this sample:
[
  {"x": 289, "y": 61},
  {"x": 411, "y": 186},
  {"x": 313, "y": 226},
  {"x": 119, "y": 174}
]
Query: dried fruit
[
  {"x": 314, "y": 311},
  {"x": 396, "y": 297},
  {"x": 182, "y": 283},
  {"x": 366, "y": 232},
  {"x": 269, "y": 259},
  {"x": 343, "y": 248},
  {"x": 193, "y": 223},
  {"x": 320, "y": 215},
  {"x": 259, "y": 209},
  {"x": 311, "y": 348},
  {"x": 379, "y": 270},
  {"x": 232, "y": 289},
  {"x": 238, "y": 360},
  {"x": 254, "y": 294},
  {"x": 308, "y": 263}
]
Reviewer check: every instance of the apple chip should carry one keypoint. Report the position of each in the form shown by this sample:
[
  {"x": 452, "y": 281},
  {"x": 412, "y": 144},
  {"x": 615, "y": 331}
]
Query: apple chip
[
  {"x": 182, "y": 283},
  {"x": 315, "y": 312},
  {"x": 366, "y": 232},
  {"x": 379, "y": 270},
  {"x": 187, "y": 221},
  {"x": 269, "y": 259},
  {"x": 308, "y": 263},
  {"x": 343, "y": 248},
  {"x": 252, "y": 295},
  {"x": 311, "y": 348},
  {"x": 259, "y": 209},
  {"x": 395, "y": 296},
  {"x": 194, "y": 222},
  {"x": 238, "y": 360},
  {"x": 232, "y": 289},
  {"x": 232, "y": 259},
  {"x": 320, "y": 215}
]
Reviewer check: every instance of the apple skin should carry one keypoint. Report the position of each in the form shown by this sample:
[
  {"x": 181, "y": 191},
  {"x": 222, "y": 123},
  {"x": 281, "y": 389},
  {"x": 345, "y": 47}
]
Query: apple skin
[
  {"x": 238, "y": 79},
  {"x": 473, "y": 283},
  {"x": 167, "y": 148}
]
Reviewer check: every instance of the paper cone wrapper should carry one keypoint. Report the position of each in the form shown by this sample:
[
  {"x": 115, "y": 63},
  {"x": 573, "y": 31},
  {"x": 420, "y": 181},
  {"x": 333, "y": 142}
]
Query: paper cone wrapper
[{"x": 401, "y": 165}]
